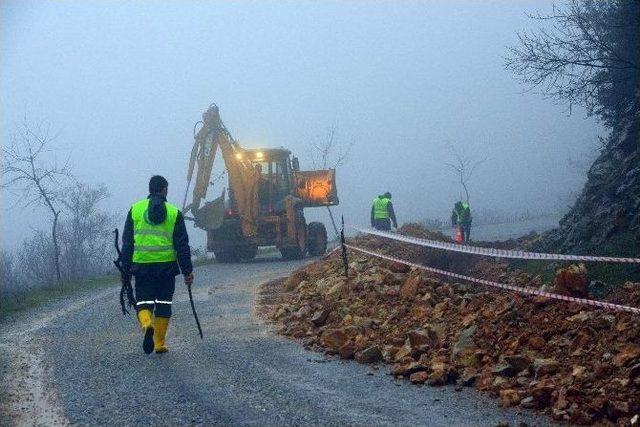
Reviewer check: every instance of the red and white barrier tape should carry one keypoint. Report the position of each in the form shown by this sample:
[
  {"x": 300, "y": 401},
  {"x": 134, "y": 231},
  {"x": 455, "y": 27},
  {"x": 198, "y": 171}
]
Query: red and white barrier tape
[
  {"x": 332, "y": 251},
  {"x": 530, "y": 291},
  {"x": 500, "y": 253}
]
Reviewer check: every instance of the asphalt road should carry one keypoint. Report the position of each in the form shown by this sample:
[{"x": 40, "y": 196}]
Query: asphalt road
[{"x": 80, "y": 362}]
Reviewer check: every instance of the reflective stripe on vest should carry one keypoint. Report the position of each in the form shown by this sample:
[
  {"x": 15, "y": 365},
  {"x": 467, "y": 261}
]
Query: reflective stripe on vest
[
  {"x": 381, "y": 208},
  {"x": 153, "y": 233},
  {"x": 152, "y": 248},
  {"x": 153, "y": 242}
]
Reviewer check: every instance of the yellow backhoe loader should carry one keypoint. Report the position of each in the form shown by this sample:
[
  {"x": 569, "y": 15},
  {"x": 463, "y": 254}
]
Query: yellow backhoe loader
[{"x": 264, "y": 203}]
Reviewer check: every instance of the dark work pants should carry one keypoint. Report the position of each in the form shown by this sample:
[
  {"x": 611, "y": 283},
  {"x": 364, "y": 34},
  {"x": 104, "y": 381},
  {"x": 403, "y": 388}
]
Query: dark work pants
[
  {"x": 466, "y": 231},
  {"x": 382, "y": 224},
  {"x": 155, "y": 291}
]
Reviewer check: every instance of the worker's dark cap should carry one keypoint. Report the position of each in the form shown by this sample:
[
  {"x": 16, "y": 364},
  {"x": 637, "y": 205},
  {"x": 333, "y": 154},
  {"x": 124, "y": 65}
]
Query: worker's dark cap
[
  {"x": 157, "y": 183},
  {"x": 387, "y": 195}
]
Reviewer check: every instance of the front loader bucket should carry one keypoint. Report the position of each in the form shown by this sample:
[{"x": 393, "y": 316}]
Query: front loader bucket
[{"x": 317, "y": 188}]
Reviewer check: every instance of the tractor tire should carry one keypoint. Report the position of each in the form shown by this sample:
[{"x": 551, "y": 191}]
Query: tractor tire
[
  {"x": 291, "y": 253},
  {"x": 316, "y": 239},
  {"x": 227, "y": 255},
  {"x": 299, "y": 250},
  {"x": 247, "y": 253}
]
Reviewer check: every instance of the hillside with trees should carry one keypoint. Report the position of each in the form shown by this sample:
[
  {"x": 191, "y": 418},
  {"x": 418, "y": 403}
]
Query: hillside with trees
[{"x": 587, "y": 53}]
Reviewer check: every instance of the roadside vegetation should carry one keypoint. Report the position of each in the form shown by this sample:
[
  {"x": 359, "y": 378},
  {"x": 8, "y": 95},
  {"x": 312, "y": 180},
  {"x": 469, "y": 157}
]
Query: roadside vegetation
[
  {"x": 70, "y": 248},
  {"x": 19, "y": 301}
]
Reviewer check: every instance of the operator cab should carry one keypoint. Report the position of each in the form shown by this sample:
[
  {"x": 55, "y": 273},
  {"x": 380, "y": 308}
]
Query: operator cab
[{"x": 276, "y": 177}]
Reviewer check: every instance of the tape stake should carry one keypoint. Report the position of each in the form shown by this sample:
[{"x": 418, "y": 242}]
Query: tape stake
[
  {"x": 529, "y": 291},
  {"x": 493, "y": 252}
]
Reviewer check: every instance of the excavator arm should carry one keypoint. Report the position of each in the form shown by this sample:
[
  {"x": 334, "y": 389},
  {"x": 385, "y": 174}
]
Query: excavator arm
[{"x": 243, "y": 178}]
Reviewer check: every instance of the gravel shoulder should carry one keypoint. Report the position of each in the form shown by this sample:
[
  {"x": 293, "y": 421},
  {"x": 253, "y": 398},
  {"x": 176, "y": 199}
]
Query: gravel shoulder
[{"x": 80, "y": 362}]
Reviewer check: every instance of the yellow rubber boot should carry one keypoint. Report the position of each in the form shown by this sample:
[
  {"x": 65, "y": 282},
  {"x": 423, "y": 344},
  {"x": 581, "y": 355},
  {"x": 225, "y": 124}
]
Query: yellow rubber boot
[
  {"x": 145, "y": 320},
  {"x": 160, "y": 326}
]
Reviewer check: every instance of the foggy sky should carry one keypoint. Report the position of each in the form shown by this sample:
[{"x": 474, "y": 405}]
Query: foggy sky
[{"x": 125, "y": 83}]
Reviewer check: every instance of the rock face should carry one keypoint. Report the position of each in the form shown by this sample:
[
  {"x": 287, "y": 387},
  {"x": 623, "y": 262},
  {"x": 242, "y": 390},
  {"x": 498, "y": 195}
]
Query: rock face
[
  {"x": 605, "y": 219},
  {"x": 580, "y": 365}
]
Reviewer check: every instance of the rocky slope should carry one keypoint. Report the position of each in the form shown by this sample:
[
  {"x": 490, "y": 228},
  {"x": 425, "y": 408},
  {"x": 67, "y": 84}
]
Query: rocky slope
[
  {"x": 606, "y": 217},
  {"x": 576, "y": 363}
]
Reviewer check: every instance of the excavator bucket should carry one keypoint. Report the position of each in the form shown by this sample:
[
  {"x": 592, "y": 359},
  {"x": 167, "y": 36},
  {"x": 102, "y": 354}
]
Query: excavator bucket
[
  {"x": 317, "y": 188},
  {"x": 211, "y": 215}
]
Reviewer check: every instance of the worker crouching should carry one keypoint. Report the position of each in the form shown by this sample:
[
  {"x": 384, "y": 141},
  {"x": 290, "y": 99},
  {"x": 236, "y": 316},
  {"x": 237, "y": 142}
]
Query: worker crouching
[
  {"x": 461, "y": 218},
  {"x": 155, "y": 249}
]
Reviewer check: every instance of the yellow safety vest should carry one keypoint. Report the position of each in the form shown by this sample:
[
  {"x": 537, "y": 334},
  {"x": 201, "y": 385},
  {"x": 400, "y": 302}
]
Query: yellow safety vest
[
  {"x": 153, "y": 242},
  {"x": 381, "y": 208}
]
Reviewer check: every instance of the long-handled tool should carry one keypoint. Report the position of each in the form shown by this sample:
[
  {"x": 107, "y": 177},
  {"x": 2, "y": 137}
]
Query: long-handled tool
[
  {"x": 125, "y": 278},
  {"x": 193, "y": 309}
]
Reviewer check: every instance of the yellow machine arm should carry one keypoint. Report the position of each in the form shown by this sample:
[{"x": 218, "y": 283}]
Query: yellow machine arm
[{"x": 243, "y": 178}]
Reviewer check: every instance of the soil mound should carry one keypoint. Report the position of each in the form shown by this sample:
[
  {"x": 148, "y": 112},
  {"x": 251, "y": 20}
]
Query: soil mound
[{"x": 577, "y": 363}]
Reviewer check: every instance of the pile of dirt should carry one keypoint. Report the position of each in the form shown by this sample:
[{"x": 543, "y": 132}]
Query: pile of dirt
[{"x": 577, "y": 363}]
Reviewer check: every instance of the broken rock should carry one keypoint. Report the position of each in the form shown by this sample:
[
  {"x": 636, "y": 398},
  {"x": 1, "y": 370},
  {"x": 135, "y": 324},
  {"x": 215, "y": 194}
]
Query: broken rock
[
  {"x": 333, "y": 339},
  {"x": 408, "y": 368},
  {"x": 420, "y": 337},
  {"x": 419, "y": 377},
  {"x": 541, "y": 394},
  {"x": 465, "y": 340},
  {"x": 537, "y": 342},
  {"x": 347, "y": 350},
  {"x": 616, "y": 410},
  {"x": 627, "y": 354},
  {"x": 543, "y": 367},
  {"x": 504, "y": 370},
  {"x": 509, "y": 397},
  {"x": 572, "y": 281},
  {"x": 371, "y": 354},
  {"x": 320, "y": 317},
  {"x": 518, "y": 361},
  {"x": 410, "y": 287},
  {"x": 469, "y": 378}
]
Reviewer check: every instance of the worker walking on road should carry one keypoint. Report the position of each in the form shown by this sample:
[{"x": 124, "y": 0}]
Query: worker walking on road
[
  {"x": 461, "y": 217},
  {"x": 382, "y": 213},
  {"x": 155, "y": 248}
]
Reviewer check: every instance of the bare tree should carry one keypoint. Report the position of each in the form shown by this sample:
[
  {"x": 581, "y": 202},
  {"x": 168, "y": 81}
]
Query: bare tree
[
  {"x": 463, "y": 167},
  {"x": 85, "y": 234},
  {"x": 329, "y": 153},
  {"x": 40, "y": 181},
  {"x": 586, "y": 54}
]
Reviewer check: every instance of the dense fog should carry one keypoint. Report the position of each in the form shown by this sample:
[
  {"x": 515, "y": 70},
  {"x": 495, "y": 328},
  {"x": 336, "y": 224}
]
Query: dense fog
[{"x": 404, "y": 85}]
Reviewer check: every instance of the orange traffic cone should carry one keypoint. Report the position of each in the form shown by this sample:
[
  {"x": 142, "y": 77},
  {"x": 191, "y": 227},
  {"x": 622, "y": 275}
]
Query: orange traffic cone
[{"x": 459, "y": 235}]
